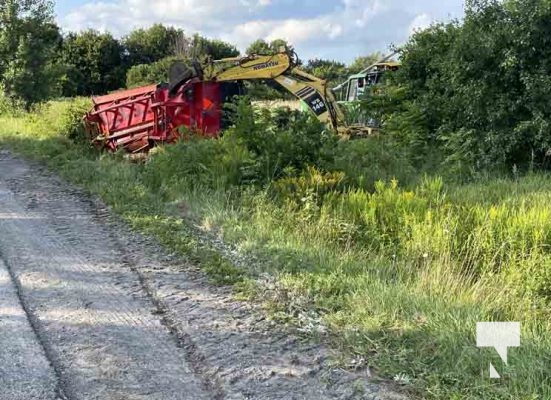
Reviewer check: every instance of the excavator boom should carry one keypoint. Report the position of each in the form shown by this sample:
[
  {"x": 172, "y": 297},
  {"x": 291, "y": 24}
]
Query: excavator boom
[
  {"x": 281, "y": 68},
  {"x": 137, "y": 119}
]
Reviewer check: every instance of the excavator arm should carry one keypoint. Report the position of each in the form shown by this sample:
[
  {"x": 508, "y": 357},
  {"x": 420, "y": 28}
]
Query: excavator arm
[
  {"x": 314, "y": 92},
  {"x": 281, "y": 68}
]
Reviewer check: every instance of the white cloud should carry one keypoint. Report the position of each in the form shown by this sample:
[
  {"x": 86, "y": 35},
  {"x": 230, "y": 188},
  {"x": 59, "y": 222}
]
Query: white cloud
[
  {"x": 295, "y": 31},
  {"x": 343, "y": 29},
  {"x": 122, "y": 16},
  {"x": 421, "y": 21}
]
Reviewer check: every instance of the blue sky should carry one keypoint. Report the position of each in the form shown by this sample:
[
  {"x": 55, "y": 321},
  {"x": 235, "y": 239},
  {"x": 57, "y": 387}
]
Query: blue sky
[{"x": 335, "y": 29}]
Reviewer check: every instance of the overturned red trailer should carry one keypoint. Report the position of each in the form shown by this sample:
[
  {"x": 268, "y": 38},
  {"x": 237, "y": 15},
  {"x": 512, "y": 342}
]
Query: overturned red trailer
[{"x": 138, "y": 119}]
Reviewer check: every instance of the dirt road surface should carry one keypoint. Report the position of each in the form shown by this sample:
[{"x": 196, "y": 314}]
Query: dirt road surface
[{"x": 91, "y": 310}]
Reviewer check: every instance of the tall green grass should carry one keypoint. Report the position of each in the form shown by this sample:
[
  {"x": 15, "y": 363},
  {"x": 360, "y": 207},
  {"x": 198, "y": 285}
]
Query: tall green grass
[
  {"x": 401, "y": 278},
  {"x": 397, "y": 273}
]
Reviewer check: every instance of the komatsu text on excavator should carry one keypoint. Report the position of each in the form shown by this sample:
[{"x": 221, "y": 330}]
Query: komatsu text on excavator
[
  {"x": 138, "y": 119},
  {"x": 281, "y": 68}
]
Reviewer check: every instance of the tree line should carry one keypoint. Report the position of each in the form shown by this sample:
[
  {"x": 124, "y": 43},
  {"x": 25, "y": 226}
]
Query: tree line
[
  {"x": 38, "y": 61},
  {"x": 475, "y": 92}
]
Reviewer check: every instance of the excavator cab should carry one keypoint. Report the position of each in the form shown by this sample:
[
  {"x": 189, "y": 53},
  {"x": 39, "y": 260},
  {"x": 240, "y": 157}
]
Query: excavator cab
[{"x": 357, "y": 85}]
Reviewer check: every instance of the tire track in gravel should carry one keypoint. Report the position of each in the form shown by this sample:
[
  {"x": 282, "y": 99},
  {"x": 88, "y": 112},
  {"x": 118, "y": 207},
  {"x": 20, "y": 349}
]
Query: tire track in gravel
[
  {"x": 26, "y": 372},
  {"x": 229, "y": 344},
  {"x": 105, "y": 341}
]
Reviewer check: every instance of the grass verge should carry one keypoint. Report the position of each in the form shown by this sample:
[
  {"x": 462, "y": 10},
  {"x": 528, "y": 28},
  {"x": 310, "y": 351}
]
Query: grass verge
[{"x": 398, "y": 278}]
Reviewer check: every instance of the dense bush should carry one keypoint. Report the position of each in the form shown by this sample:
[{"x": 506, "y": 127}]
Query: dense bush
[
  {"x": 288, "y": 150},
  {"x": 367, "y": 161},
  {"x": 281, "y": 142},
  {"x": 71, "y": 124},
  {"x": 261, "y": 146},
  {"x": 177, "y": 169},
  {"x": 479, "y": 90},
  {"x": 149, "y": 74},
  {"x": 307, "y": 188},
  {"x": 93, "y": 63}
]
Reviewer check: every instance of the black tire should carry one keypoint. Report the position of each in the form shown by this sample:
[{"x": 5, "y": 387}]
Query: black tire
[{"x": 178, "y": 74}]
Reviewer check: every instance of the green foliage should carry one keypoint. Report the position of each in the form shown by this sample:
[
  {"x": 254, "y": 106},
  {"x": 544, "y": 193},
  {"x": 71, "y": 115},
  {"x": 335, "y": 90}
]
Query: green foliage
[
  {"x": 71, "y": 124},
  {"x": 213, "y": 48},
  {"x": 479, "y": 90},
  {"x": 366, "y": 161},
  {"x": 10, "y": 106},
  {"x": 94, "y": 63},
  {"x": 282, "y": 142},
  {"x": 262, "y": 47},
  {"x": 332, "y": 71},
  {"x": 145, "y": 46},
  {"x": 266, "y": 90},
  {"x": 186, "y": 49},
  {"x": 198, "y": 163},
  {"x": 362, "y": 62},
  {"x": 148, "y": 74},
  {"x": 28, "y": 40},
  {"x": 259, "y": 47},
  {"x": 308, "y": 187}
]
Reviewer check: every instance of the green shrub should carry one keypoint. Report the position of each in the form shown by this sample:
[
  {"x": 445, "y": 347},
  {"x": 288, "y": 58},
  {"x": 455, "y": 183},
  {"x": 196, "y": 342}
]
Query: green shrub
[
  {"x": 366, "y": 161},
  {"x": 149, "y": 74},
  {"x": 477, "y": 90},
  {"x": 282, "y": 143},
  {"x": 71, "y": 124},
  {"x": 187, "y": 165},
  {"x": 10, "y": 106},
  {"x": 310, "y": 186}
]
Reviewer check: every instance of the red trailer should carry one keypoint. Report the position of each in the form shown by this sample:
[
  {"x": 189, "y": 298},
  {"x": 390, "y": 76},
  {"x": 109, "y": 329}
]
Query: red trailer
[{"x": 138, "y": 119}]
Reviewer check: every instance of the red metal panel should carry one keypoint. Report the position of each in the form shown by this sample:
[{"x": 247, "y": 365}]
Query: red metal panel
[
  {"x": 124, "y": 118},
  {"x": 209, "y": 109},
  {"x": 137, "y": 118}
]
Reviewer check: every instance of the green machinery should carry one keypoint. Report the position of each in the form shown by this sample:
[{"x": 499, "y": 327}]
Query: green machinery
[{"x": 356, "y": 85}]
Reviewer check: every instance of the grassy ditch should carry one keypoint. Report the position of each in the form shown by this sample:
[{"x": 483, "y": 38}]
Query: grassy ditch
[{"x": 396, "y": 272}]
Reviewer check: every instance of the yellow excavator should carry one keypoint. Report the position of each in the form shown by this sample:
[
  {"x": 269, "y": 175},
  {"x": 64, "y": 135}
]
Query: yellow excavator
[
  {"x": 139, "y": 118},
  {"x": 281, "y": 67}
]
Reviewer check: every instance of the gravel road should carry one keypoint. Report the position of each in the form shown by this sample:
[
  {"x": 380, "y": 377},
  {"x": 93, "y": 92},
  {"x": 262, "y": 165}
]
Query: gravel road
[{"x": 92, "y": 310}]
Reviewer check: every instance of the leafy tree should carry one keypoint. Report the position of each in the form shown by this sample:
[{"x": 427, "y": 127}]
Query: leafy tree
[
  {"x": 94, "y": 63},
  {"x": 28, "y": 41},
  {"x": 262, "y": 47},
  {"x": 360, "y": 63},
  {"x": 480, "y": 91},
  {"x": 326, "y": 69},
  {"x": 145, "y": 46},
  {"x": 147, "y": 74},
  {"x": 185, "y": 48},
  {"x": 278, "y": 44},
  {"x": 213, "y": 48}
]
